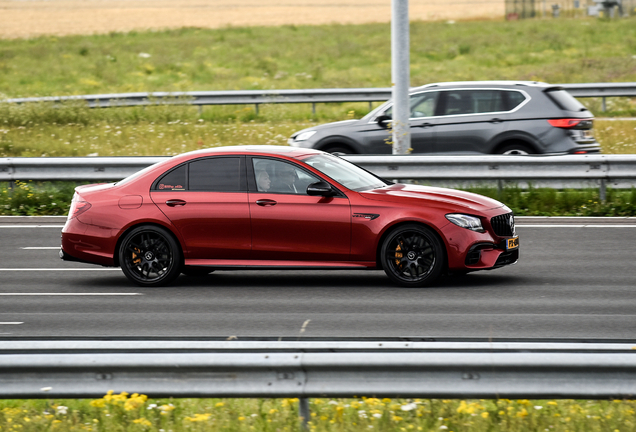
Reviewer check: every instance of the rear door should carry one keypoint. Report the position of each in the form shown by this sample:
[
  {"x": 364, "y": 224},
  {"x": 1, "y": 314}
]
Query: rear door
[
  {"x": 469, "y": 119},
  {"x": 206, "y": 200}
]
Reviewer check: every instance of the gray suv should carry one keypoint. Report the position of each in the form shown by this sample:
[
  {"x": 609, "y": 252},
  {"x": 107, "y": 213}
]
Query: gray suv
[{"x": 477, "y": 117}]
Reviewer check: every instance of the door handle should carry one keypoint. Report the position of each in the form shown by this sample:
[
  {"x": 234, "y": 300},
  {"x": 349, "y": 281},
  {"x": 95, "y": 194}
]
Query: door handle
[
  {"x": 265, "y": 202},
  {"x": 425, "y": 125},
  {"x": 175, "y": 202},
  {"x": 496, "y": 120}
]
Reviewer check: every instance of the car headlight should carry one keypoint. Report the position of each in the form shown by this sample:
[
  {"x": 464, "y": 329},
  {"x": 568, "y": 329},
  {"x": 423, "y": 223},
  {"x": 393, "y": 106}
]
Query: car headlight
[
  {"x": 304, "y": 136},
  {"x": 465, "y": 221}
]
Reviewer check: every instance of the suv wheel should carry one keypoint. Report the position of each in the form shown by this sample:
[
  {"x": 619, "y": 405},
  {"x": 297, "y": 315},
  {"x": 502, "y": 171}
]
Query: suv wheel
[
  {"x": 515, "y": 149},
  {"x": 339, "y": 150}
]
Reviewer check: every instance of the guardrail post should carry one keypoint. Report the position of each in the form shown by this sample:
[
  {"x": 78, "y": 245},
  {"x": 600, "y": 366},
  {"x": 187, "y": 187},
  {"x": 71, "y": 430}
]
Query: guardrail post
[
  {"x": 603, "y": 191},
  {"x": 256, "y": 108},
  {"x": 603, "y": 104},
  {"x": 313, "y": 108},
  {"x": 303, "y": 411}
]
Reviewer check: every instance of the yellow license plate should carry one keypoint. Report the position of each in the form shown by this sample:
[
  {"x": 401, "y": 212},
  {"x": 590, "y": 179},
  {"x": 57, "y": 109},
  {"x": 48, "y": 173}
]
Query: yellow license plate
[{"x": 512, "y": 243}]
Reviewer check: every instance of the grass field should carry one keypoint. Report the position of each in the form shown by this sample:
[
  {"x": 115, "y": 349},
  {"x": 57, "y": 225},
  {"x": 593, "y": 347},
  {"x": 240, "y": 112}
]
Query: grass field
[{"x": 125, "y": 412}]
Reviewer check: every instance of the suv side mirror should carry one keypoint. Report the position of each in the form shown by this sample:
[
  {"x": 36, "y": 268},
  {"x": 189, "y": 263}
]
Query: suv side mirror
[
  {"x": 383, "y": 121},
  {"x": 320, "y": 188}
]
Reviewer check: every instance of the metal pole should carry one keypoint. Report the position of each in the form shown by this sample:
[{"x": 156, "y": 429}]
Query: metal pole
[
  {"x": 400, "y": 75},
  {"x": 303, "y": 410}
]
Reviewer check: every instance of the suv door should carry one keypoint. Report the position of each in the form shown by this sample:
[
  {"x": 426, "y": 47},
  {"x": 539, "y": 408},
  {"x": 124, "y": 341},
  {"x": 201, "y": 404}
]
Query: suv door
[
  {"x": 422, "y": 121},
  {"x": 469, "y": 119},
  {"x": 206, "y": 200}
]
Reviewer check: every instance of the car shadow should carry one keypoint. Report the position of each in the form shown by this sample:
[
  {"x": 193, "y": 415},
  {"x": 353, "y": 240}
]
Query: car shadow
[{"x": 305, "y": 279}]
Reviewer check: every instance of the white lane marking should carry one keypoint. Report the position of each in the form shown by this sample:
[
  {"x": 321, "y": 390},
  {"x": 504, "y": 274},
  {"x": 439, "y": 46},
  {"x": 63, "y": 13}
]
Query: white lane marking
[
  {"x": 11, "y": 323},
  {"x": 573, "y": 226},
  {"x": 41, "y": 247},
  {"x": 60, "y": 269},
  {"x": 31, "y": 226},
  {"x": 70, "y": 294}
]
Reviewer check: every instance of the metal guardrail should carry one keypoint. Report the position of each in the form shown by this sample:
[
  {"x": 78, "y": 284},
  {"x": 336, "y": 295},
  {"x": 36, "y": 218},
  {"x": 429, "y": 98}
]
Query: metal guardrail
[
  {"x": 571, "y": 171},
  {"x": 313, "y": 96},
  {"x": 394, "y": 368}
]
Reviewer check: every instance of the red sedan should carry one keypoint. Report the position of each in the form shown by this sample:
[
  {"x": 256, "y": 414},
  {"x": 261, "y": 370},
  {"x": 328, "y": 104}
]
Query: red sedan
[{"x": 270, "y": 207}]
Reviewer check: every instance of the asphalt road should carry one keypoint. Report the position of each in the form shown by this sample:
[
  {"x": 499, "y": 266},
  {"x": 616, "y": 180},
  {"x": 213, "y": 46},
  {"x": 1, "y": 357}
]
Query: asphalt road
[{"x": 575, "y": 279}]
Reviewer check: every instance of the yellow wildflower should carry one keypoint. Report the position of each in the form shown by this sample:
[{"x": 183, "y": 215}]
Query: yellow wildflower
[
  {"x": 198, "y": 417},
  {"x": 484, "y": 415},
  {"x": 142, "y": 421},
  {"x": 98, "y": 403},
  {"x": 220, "y": 404}
]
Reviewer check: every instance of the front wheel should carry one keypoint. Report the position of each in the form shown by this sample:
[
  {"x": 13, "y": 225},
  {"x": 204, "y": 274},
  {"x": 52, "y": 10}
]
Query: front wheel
[
  {"x": 412, "y": 256},
  {"x": 149, "y": 256}
]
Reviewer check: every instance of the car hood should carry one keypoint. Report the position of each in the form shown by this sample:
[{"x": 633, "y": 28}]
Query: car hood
[
  {"x": 327, "y": 126},
  {"x": 434, "y": 196}
]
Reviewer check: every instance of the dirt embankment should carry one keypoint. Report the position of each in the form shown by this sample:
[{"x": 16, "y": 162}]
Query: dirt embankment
[{"x": 29, "y": 18}]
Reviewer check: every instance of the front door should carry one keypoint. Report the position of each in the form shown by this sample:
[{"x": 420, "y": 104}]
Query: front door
[{"x": 288, "y": 224}]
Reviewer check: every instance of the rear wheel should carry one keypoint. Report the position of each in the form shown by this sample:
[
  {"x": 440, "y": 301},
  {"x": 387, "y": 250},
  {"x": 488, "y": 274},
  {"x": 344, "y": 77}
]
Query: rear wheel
[
  {"x": 515, "y": 149},
  {"x": 149, "y": 256},
  {"x": 412, "y": 256}
]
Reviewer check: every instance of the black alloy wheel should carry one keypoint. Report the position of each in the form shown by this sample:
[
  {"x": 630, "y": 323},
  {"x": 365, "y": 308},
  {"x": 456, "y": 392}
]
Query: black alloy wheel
[
  {"x": 149, "y": 256},
  {"x": 412, "y": 256}
]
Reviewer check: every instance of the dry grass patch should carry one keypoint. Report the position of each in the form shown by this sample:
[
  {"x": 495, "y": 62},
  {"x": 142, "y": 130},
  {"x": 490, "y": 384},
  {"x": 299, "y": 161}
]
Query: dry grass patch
[{"x": 21, "y": 19}]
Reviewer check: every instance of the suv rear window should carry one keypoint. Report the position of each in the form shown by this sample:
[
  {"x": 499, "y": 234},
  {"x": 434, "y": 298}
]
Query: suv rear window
[{"x": 565, "y": 100}]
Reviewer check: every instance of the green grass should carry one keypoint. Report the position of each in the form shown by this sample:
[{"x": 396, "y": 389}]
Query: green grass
[
  {"x": 125, "y": 412},
  {"x": 558, "y": 51}
]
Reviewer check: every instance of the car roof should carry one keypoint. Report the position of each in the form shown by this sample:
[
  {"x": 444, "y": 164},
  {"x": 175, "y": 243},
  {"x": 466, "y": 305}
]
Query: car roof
[
  {"x": 506, "y": 84},
  {"x": 261, "y": 150}
]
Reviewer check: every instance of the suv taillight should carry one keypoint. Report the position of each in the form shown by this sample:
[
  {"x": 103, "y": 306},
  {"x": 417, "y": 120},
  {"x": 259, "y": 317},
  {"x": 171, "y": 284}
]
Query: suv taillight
[
  {"x": 570, "y": 123},
  {"x": 78, "y": 206}
]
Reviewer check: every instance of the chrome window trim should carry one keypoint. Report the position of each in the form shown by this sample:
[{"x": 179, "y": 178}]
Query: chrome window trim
[{"x": 518, "y": 107}]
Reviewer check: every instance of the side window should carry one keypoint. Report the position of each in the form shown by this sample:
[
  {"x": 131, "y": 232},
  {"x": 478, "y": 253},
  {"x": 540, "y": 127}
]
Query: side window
[
  {"x": 513, "y": 99},
  {"x": 458, "y": 102},
  {"x": 221, "y": 174},
  {"x": 281, "y": 177},
  {"x": 473, "y": 102},
  {"x": 174, "y": 180},
  {"x": 422, "y": 105}
]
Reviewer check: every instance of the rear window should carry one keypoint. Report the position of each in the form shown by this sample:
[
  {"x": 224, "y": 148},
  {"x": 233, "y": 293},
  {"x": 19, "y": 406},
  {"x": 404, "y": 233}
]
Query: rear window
[
  {"x": 565, "y": 100},
  {"x": 217, "y": 174}
]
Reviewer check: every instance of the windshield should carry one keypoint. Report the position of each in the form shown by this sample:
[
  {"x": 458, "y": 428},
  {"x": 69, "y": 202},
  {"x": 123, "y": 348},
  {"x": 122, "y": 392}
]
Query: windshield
[{"x": 347, "y": 174}]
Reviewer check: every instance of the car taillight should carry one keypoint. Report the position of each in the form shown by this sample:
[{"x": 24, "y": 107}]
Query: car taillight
[
  {"x": 567, "y": 123},
  {"x": 78, "y": 206}
]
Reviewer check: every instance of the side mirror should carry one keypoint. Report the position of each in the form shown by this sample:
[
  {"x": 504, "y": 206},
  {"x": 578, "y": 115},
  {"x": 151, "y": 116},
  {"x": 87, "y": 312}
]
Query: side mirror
[
  {"x": 320, "y": 188},
  {"x": 383, "y": 121}
]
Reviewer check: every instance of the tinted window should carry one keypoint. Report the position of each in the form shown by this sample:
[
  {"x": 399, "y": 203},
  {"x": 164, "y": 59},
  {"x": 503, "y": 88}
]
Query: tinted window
[
  {"x": 565, "y": 100},
  {"x": 217, "y": 174},
  {"x": 173, "y": 180},
  {"x": 472, "y": 102},
  {"x": 513, "y": 99}
]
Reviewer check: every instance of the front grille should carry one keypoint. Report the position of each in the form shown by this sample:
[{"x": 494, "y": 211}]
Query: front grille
[{"x": 503, "y": 225}]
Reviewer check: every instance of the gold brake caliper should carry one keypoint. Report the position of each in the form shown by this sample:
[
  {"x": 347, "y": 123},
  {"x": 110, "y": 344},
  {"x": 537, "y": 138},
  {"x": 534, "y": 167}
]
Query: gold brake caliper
[
  {"x": 135, "y": 257},
  {"x": 398, "y": 254}
]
